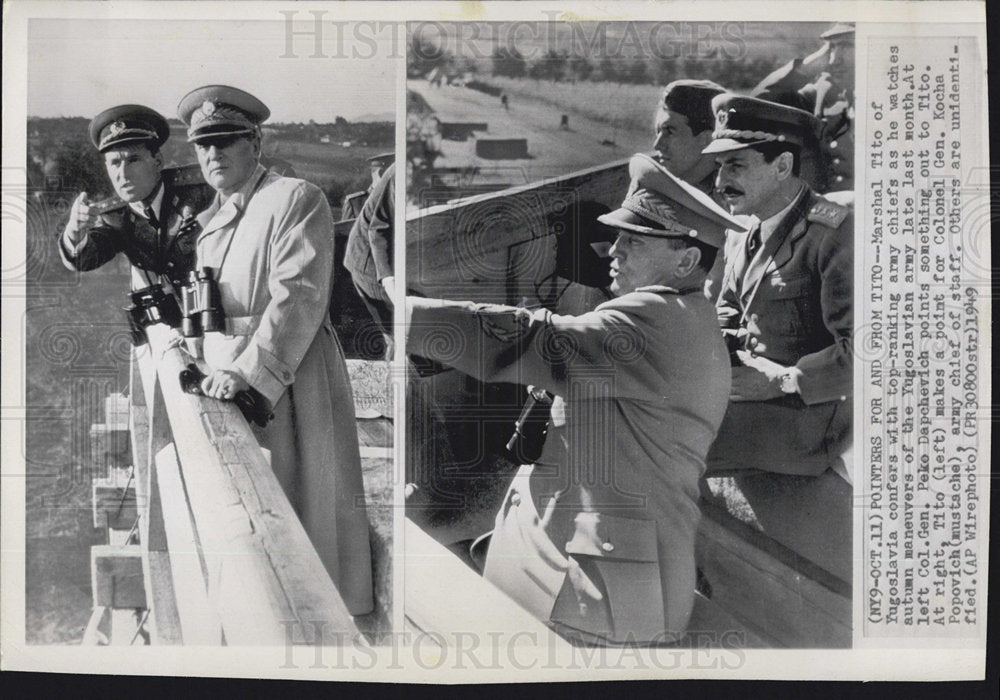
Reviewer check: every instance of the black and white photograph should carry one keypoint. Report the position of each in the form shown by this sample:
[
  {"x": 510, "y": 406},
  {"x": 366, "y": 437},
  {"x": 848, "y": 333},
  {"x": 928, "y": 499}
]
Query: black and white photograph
[
  {"x": 667, "y": 356},
  {"x": 630, "y": 286},
  {"x": 209, "y": 418}
]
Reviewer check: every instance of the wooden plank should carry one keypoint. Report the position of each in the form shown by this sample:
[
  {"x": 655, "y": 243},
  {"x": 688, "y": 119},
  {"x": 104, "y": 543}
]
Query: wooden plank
[
  {"x": 183, "y": 611},
  {"x": 498, "y": 247},
  {"x": 471, "y": 602},
  {"x": 114, "y": 504},
  {"x": 265, "y": 579},
  {"x": 116, "y": 577},
  {"x": 769, "y": 597}
]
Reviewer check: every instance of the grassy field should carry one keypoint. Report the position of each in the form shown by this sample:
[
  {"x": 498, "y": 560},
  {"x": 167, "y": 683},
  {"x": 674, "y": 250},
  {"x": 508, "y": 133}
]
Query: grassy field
[{"x": 77, "y": 352}]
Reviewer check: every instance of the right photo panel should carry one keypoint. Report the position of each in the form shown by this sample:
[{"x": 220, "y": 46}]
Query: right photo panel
[{"x": 630, "y": 290}]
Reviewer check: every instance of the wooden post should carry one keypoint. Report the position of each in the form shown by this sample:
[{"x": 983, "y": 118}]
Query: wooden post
[{"x": 264, "y": 578}]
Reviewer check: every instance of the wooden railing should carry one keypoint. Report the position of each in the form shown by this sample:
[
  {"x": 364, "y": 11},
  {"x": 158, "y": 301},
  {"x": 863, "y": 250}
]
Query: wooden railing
[{"x": 209, "y": 550}]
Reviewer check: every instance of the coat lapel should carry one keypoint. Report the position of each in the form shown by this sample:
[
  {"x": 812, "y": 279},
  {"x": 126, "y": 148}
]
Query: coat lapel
[{"x": 777, "y": 247}]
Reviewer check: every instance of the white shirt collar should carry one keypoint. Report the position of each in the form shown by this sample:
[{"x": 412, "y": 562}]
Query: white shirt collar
[
  {"x": 768, "y": 225},
  {"x": 157, "y": 204}
]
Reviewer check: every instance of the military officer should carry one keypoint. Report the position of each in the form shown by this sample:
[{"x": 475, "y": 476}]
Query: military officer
[
  {"x": 683, "y": 126},
  {"x": 597, "y": 537},
  {"x": 823, "y": 85},
  {"x": 354, "y": 202},
  {"x": 786, "y": 305},
  {"x": 368, "y": 256},
  {"x": 151, "y": 219},
  {"x": 270, "y": 240}
]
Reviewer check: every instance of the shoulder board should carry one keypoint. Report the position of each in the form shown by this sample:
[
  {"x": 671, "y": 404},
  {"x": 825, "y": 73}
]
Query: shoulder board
[
  {"x": 184, "y": 175},
  {"x": 355, "y": 195},
  {"x": 827, "y": 213},
  {"x": 108, "y": 204}
]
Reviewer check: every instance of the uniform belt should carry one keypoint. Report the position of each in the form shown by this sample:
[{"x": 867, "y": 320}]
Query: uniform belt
[{"x": 242, "y": 325}]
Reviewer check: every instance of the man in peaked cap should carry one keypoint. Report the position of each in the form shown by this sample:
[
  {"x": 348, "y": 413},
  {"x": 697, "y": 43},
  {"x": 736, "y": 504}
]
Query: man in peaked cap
[
  {"x": 823, "y": 85},
  {"x": 270, "y": 240},
  {"x": 151, "y": 219},
  {"x": 354, "y": 202},
  {"x": 786, "y": 306},
  {"x": 597, "y": 537}
]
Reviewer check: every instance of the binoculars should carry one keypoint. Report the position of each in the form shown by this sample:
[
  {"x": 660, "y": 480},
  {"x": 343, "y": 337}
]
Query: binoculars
[
  {"x": 202, "y": 304},
  {"x": 150, "y": 305}
]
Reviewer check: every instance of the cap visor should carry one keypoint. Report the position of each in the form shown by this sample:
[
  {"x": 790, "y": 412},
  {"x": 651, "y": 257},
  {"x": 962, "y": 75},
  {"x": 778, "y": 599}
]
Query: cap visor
[
  {"x": 624, "y": 219},
  {"x": 217, "y": 130},
  {"x": 723, "y": 145}
]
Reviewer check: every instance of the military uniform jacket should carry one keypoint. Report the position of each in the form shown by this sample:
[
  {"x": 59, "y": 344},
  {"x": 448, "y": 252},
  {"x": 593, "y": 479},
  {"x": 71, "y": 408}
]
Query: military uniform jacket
[
  {"x": 272, "y": 244},
  {"x": 645, "y": 379},
  {"x": 793, "y": 304},
  {"x": 368, "y": 256},
  {"x": 167, "y": 251}
]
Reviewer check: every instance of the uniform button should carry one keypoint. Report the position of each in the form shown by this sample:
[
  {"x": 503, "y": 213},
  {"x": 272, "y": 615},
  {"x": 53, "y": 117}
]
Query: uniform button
[
  {"x": 833, "y": 144},
  {"x": 753, "y": 342},
  {"x": 515, "y": 498},
  {"x": 608, "y": 547},
  {"x": 754, "y": 318},
  {"x": 836, "y": 161},
  {"x": 840, "y": 178}
]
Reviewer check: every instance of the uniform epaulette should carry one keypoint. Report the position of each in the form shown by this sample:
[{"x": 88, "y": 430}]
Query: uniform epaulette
[
  {"x": 184, "y": 175},
  {"x": 827, "y": 213},
  {"x": 107, "y": 204}
]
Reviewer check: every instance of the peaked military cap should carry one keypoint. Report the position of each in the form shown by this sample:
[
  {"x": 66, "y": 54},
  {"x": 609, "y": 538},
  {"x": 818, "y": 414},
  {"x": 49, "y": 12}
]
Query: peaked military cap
[
  {"x": 220, "y": 110},
  {"x": 742, "y": 121},
  {"x": 693, "y": 99},
  {"x": 836, "y": 31},
  {"x": 659, "y": 203},
  {"x": 383, "y": 158},
  {"x": 126, "y": 124}
]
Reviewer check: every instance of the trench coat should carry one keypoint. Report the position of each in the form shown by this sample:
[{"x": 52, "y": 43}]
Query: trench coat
[
  {"x": 795, "y": 307},
  {"x": 613, "y": 500},
  {"x": 168, "y": 251},
  {"x": 272, "y": 245}
]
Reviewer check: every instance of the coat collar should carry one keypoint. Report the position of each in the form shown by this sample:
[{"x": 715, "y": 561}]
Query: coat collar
[{"x": 221, "y": 214}]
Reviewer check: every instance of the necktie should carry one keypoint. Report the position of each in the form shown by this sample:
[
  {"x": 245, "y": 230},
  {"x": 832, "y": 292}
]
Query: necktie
[
  {"x": 153, "y": 221},
  {"x": 753, "y": 243}
]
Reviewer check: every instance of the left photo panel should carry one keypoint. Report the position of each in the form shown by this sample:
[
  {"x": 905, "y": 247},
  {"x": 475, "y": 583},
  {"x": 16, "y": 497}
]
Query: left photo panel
[{"x": 209, "y": 436}]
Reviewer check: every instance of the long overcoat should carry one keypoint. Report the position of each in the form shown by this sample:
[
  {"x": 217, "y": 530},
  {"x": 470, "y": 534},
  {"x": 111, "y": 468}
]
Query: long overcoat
[{"x": 272, "y": 246}]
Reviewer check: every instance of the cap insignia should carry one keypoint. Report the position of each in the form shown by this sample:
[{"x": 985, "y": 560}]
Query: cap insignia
[
  {"x": 117, "y": 128},
  {"x": 208, "y": 108}
]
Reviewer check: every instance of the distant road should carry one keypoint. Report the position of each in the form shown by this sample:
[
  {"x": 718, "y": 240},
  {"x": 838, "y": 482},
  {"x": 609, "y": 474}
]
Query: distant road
[{"x": 552, "y": 150}]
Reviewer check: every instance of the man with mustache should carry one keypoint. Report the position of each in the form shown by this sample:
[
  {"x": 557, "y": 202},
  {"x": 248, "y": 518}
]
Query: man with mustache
[
  {"x": 269, "y": 240},
  {"x": 597, "y": 537},
  {"x": 786, "y": 306},
  {"x": 151, "y": 220}
]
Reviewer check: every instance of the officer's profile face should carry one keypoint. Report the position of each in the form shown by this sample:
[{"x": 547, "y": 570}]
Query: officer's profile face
[
  {"x": 639, "y": 261},
  {"x": 677, "y": 148},
  {"x": 228, "y": 161},
  {"x": 134, "y": 171},
  {"x": 748, "y": 183}
]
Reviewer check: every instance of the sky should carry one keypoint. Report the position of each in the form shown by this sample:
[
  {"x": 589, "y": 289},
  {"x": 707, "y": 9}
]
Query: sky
[{"x": 77, "y": 68}]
